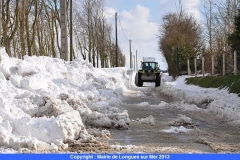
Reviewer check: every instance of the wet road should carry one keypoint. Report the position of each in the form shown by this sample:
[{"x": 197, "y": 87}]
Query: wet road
[{"x": 205, "y": 133}]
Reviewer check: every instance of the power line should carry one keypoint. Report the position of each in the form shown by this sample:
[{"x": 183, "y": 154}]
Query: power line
[
  {"x": 126, "y": 36},
  {"x": 124, "y": 33},
  {"x": 138, "y": 55},
  {"x": 119, "y": 23},
  {"x": 122, "y": 28},
  {"x": 108, "y": 13}
]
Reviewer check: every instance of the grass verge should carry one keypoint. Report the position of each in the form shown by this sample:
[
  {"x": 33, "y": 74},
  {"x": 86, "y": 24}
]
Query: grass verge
[{"x": 231, "y": 82}]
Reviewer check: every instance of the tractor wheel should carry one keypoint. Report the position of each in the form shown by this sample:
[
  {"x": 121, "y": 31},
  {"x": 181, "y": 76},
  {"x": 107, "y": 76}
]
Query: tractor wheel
[
  {"x": 158, "y": 80},
  {"x": 140, "y": 82}
]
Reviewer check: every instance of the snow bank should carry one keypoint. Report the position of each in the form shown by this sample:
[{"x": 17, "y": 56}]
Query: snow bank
[
  {"x": 148, "y": 120},
  {"x": 45, "y": 101},
  {"x": 180, "y": 129},
  {"x": 183, "y": 120},
  {"x": 221, "y": 103}
]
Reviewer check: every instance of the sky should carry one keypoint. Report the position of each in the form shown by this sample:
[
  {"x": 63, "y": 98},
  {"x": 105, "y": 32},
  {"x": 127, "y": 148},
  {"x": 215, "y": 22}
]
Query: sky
[
  {"x": 140, "y": 20},
  {"x": 45, "y": 101}
]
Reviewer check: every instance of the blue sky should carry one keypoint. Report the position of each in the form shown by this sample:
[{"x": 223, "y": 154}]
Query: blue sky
[
  {"x": 157, "y": 7},
  {"x": 140, "y": 21},
  {"x": 130, "y": 4}
]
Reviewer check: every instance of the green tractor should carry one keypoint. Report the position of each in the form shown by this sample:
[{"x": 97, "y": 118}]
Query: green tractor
[{"x": 149, "y": 72}]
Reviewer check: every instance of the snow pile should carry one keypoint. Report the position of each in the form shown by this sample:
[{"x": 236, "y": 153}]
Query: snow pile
[
  {"x": 181, "y": 124},
  {"x": 221, "y": 103},
  {"x": 182, "y": 120},
  {"x": 45, "y": 101},
  {"x": 120, "y": 147},
  {"x": 147, "y": 120},
  {"x": 96, "y": 132},
  {"x": 180, "y": 129},
  {"x": 114, "y": 120},
  {"x": 144, "y": 104},
  {"x": 163, "y": 104}
]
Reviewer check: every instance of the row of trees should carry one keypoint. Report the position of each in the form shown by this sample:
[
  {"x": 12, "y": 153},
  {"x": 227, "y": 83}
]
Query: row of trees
[
  {"x": 93, "y": 34},
  {"x": 182, "y": 37},
  {"x": 32, "y": 27}
]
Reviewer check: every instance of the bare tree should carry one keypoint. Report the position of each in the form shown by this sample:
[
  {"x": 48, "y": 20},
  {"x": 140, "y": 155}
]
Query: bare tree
[
  {"x": 32, "y": 27},
  {"x": 219, "y": 23},
  {"x": 10, "y": 21},
  {"x": 22, "y": 27},
  {"x": 93, "y": 32}
]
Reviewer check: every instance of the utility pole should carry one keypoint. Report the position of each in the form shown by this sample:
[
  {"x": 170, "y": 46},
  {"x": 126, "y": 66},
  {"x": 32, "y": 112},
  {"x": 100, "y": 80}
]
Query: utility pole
[
  {"x": 235, "y": 62},
  {"x": 116, "y": 40},
  {"x": 235, "y": 52},
  {"x": 189, "y": 70},
  {"x": 224, "y": 63},
  {"x": 1, "y": 23},
  {"x": 213, "y": 71},
  {"x": 203, "y": 67},
  {"x": 103, "y": 43},
  {"x": 64, "y": 38},
  {"x": 133, "y": 63},
  {"x": 97, "y": 51},
  {"x": 70, "y": 31},
  {"x": 130, "y": 54},
  {"x": 195, "y": 66},
  {"x": 136, "y": 61}
]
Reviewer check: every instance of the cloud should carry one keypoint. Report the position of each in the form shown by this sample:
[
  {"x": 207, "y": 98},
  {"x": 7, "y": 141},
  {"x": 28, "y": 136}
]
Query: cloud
[
  {"x": 191, "y": 3},
  {"x": 163, "y": 1},
  {"x": 136, "y": 25},
  {"x": 109, "y": 13},
  {"x": 192, "y": 6}
]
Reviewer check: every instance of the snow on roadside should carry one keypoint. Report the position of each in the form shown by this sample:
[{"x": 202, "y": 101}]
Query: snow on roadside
[
  {"x": 180, "y": 129},
  {"x": 181, "y": 120},
  {"x": 223, "y": 104},
  {"x": 45, "y": 101},
  {"x": 148, "y": 120},
  {"x": 182, "y": 124}
]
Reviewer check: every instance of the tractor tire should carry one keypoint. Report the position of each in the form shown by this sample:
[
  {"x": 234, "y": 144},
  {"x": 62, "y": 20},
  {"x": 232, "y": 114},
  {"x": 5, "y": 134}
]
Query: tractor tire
[
  {"x": 140, "y": 82},
  {"x": 158, "y": 80}
]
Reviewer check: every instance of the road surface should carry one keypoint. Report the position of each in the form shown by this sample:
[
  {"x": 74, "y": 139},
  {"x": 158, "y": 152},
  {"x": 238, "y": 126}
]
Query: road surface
[{"x": 173, "y": 129}]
